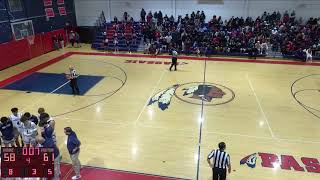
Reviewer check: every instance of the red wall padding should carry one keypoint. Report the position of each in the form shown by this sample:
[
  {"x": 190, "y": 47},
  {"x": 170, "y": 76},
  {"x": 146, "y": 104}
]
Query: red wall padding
[
  {"x": 47, "y": 39},
  {"x": 37, "y": 48},
  {"x": 47, "y": 42},
  {"x": 15, "y": 52}
]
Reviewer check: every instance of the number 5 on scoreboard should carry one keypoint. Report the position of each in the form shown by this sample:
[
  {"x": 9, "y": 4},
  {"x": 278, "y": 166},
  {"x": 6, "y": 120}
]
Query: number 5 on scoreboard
[{"x": 50, "y": 172}]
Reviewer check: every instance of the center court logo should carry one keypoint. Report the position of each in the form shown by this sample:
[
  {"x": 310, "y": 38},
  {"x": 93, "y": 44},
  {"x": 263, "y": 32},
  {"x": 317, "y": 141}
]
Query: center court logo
[
  {"x": 208, "y": 94},
  {"x": 285, "y": 162}
]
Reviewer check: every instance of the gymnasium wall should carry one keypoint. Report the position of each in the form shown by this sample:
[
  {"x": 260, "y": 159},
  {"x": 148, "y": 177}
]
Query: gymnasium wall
[
  {"x": 13, "y": 52},
  {"x": 33, "y": 10},
  {"x": 88, "y": 11}
]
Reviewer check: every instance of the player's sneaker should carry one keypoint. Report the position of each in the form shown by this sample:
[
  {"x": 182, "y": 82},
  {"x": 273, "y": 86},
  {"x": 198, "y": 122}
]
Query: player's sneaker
[{"x": 75, "y": 177}]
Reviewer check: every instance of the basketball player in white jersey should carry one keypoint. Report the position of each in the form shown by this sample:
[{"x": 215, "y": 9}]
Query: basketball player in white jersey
[
  {"x": 308, "y": 55},
  {"x": 28, "y": 131},
  {"x": 15, "y": 118},
  {"x": 50, "y": 121}
]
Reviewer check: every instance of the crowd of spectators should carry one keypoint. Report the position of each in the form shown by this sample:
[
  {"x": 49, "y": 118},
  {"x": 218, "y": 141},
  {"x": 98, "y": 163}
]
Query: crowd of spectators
[{"x": 190, "y": 34}]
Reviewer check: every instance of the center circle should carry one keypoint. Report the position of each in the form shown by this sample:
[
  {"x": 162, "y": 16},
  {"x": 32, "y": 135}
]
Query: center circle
[{"x": 210, "y": 94}]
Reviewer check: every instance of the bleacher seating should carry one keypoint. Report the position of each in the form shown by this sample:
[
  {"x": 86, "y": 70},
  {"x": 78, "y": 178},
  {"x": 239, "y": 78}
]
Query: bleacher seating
[
  {"x": 211, "y": 38},
  {"x": 110, "y": 30}
]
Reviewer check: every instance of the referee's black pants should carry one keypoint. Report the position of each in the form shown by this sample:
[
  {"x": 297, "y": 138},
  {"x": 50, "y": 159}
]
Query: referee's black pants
[
  {"x": 219, "y": 174},
  {"x": 74, "y": 86},
  {"x": 174, "y": 63}
]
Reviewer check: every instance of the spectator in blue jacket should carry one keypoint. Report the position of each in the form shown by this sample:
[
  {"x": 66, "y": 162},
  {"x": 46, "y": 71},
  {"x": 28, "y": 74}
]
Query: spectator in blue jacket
[{"x": 73, "y": 145}]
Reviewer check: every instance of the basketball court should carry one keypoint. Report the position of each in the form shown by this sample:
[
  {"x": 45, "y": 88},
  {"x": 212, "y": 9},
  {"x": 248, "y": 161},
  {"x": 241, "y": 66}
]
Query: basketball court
[{"x": 134, "y": 115}]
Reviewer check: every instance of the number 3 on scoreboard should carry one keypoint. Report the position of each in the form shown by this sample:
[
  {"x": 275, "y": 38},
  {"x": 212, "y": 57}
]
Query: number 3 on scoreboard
[{"x": 34, "y": 172}]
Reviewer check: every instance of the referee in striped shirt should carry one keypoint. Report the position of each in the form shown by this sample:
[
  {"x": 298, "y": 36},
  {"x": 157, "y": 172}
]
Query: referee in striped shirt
[
  {"x": 219, "y": 160},
  {"x": 73, "y": 81}
]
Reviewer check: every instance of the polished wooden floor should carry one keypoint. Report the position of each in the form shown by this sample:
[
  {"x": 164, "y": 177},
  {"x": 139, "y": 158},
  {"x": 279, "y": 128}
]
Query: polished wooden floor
[{"x": 119, "y": 130}]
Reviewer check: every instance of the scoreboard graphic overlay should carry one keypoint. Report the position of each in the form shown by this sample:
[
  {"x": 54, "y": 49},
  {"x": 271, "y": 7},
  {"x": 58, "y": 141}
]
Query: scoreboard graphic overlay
[{"x": 27, "y": 162}]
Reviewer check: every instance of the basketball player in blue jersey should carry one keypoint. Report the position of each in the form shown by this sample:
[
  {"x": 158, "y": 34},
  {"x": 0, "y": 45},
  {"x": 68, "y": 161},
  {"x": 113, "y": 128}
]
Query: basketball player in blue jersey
[
  {"x": 73, "y": 80},
  {"x": 45, "y": 116},
  {"x": 47, "y": 131},
  {"x": 7, "y": 131}
]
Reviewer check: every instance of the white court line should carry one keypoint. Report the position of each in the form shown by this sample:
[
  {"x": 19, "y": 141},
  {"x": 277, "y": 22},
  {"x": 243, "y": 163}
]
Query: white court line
[
  {"x": 248, "y": 176},
  {"x": 188, "y": 131},
  {"x": 268, "y": 138},
  {"x": 40, "y": 99},
  {"x": 152, "y": 93},
  {"x": 235, "y": 134},
  {"x": 260, "y": 107},
  {"x": 59, "y": 87},
  {"x": 98, "y": 122}
]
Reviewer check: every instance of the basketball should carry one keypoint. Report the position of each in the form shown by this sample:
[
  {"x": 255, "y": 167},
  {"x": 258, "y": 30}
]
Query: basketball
[{"x": 68, "y": 76}]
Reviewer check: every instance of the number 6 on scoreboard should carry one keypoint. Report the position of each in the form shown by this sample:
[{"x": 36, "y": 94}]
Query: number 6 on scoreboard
[{"x": 45, "y": 157}]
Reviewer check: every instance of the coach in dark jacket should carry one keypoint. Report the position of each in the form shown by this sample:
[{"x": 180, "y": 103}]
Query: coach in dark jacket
[{"x": 73, "y": 145}]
